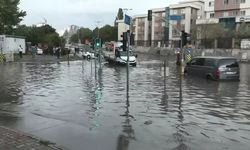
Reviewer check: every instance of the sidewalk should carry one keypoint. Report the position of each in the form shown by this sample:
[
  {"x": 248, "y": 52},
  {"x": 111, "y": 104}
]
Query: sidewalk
[{"x": 13, "y": 140}]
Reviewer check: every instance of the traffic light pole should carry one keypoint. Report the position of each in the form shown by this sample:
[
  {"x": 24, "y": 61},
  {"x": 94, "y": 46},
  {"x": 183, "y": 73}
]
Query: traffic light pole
[{"x": 128, "y": 37}]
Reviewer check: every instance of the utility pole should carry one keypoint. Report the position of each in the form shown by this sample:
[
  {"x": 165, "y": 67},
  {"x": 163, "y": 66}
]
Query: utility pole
[{"x": 128, "y": 48}]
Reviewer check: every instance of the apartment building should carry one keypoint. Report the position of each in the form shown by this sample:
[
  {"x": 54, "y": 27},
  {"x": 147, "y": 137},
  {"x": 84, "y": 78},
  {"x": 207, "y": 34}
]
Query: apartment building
[
  {"x": 141, "y": 30},
  {"x": 244, "y": 15},
  {"x": 157, "y": 27},
  {"x": 151, "y": 33},
  {"x": 209, "y": 9},
  {"x": 189, "y": 12}
]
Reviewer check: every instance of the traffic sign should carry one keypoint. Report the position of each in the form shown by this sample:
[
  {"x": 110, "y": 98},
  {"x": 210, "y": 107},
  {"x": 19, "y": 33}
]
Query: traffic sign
[
  {"x": 175, "y": 17},
  {"x": 127, "y": 20}
]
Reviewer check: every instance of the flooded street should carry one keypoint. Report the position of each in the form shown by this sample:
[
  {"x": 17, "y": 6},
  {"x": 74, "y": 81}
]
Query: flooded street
[{"x": 80, "y": 108}]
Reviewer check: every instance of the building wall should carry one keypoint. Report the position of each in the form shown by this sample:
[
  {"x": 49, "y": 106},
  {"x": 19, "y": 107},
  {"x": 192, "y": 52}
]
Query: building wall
[
  {"x": 189, "y": 14},
  {"x": 11, "y": 44},
  {"x": 232, "y": 8},
  {"x": 158, "y": 24},
  {"x": 141, "y": 29},
  {"x": 122, "y": 27},
  {"x": 209, "y": 9},
  {"x": 245, "y": 7}
]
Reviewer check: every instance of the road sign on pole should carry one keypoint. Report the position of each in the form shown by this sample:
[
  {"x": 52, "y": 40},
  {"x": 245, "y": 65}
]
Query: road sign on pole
[
  {"x": 127, "y": 20},
  {"x": 175, "y": 17}
]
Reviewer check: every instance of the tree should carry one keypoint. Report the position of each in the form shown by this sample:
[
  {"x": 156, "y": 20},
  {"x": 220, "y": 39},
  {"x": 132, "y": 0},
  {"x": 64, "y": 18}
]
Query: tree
[
  {"x": 203, "y": 33},
  {"x": 119, "y": 16},
  {"x": 10, "y": 15},
  {"x": 108, "y": 33},
  {"x": 82, "y": 35},
  {"x": 45, "y": 35},
  {"x": 243, "y": 31}
]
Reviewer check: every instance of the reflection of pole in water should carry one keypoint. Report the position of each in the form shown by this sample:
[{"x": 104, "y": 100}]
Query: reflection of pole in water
[
  {"x": 128, "y": 131},
  {"x": 95, "y": 68},
  {"x": 180, "y": 92},
  {"x": 83, "y": 66},
  {"x": 91, "y": 68},
  {"x": 179, "y": 126},
  {"x": 97, "y": 105},
  {"x": 164, "y": 94}
]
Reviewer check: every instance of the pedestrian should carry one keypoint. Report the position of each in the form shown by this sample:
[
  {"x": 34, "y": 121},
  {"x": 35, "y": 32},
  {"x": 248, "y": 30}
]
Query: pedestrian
[
  {"x": 33, "y": 50},
  {"x": 54, "y": 51},
  {"x": 20, "y": 49},
  {"x": 58, "y": 52}
]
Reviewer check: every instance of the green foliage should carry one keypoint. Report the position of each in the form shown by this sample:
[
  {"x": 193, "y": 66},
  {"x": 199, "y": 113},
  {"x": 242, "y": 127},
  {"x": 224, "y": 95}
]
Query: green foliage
[
  {"x": 243, "y": 31},
  {"x": 211, "y": 31},
  {"x": 82, "y": 35},
  {"x": 106, "y": 33},
  {"x": 45, "y": 35},
  {"x": 10, "y": 15}
]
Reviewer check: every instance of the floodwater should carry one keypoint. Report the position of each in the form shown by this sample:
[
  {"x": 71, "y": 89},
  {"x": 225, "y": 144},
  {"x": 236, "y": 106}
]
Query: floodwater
[{"x": 81, "y": 108}]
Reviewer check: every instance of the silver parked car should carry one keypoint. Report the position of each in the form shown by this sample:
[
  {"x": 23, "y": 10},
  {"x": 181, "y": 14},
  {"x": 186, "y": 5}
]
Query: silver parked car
[{"x": 216, "y": 68}]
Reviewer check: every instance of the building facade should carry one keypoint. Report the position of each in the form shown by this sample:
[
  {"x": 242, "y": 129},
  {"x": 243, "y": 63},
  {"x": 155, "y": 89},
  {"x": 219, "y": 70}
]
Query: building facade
[
  {"x": 168, "y": 22},
  {"x": 157, "y": 27},
  {"x": 141, "y": 30},
  {"x": 209, "y": 9},
  {"x": 189, "y": 12}
]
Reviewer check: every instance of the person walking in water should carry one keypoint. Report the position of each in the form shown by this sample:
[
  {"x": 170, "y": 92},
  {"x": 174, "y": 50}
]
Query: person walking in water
[
  {"x": 34, "y": 50},
  {"x": 20, "y": 49}
]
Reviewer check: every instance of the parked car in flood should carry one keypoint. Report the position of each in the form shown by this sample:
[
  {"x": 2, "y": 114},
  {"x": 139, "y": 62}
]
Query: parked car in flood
[{"x": 216, "y": 68}]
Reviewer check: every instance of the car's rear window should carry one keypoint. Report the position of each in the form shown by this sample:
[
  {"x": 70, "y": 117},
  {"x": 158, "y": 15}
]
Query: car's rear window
[{"x": 229, "y": 63}]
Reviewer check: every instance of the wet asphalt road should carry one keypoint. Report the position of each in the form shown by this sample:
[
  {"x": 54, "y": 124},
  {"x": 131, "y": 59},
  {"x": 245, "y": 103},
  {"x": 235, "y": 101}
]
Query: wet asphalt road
[{"x": 69, "y": 105}]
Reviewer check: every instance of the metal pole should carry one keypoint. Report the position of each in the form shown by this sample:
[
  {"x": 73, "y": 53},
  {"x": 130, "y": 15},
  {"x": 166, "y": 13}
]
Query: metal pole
[
  {"x": 100, "y": 58},
  {"x": 128, "y": 63},
  {"x": 95, "y": 64},
  {"x": 165, "y": 65}
]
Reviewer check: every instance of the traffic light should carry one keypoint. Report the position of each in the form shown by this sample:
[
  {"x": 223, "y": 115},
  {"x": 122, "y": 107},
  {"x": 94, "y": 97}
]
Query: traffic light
[
  {"x": 124, "y": 40},
  {"x": 184, "y": 36},
  {"x": 98, "y": 43},
  {"x": 149, "y": 15}
]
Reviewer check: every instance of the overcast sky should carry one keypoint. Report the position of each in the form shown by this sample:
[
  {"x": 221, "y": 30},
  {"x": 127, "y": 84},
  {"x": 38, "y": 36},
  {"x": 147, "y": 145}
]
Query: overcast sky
[{"x": 62, "y": 13}]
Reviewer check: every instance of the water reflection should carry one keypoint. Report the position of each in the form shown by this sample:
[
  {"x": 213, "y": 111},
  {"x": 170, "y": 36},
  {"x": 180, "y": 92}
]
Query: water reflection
[
  {"x": 11, "y": 81},
  {"x": 96, "y": 104},
  {"x": 128, "y": 131},
  {"x": 190, "y": 113},
  {"x": 180, "y": 129}
]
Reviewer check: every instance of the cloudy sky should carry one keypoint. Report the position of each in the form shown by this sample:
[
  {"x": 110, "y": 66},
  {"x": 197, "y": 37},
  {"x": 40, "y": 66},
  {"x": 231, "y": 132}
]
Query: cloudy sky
[{"x": 62, "y": 13}]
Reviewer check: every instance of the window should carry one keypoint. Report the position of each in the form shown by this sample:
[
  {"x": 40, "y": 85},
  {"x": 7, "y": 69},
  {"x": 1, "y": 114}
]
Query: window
[
  {"x": 210, "y": 62},
  {"x": 212, "y": 15},
  {"x": 235, "y": 1},
  {"x": 225, "y": 2},
  {"x": 175, "y": 12},
  {"x": 225, "y": 14},
  {"x": 198, "y": 62},
  {"x": 235, "y": 13},
  {"x": 211, "y": 4},
  {"x": 182, "y": 11},
  {"x": 242, "y": 1},
  {"x": 243, "y": 13}
]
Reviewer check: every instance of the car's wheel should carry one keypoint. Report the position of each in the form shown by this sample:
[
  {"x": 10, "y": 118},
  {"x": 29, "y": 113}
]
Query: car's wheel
[{"x": 88, "y": 57}]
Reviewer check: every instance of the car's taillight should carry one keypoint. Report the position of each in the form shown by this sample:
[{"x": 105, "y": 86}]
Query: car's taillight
[{"x": 217, "y": 73}]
